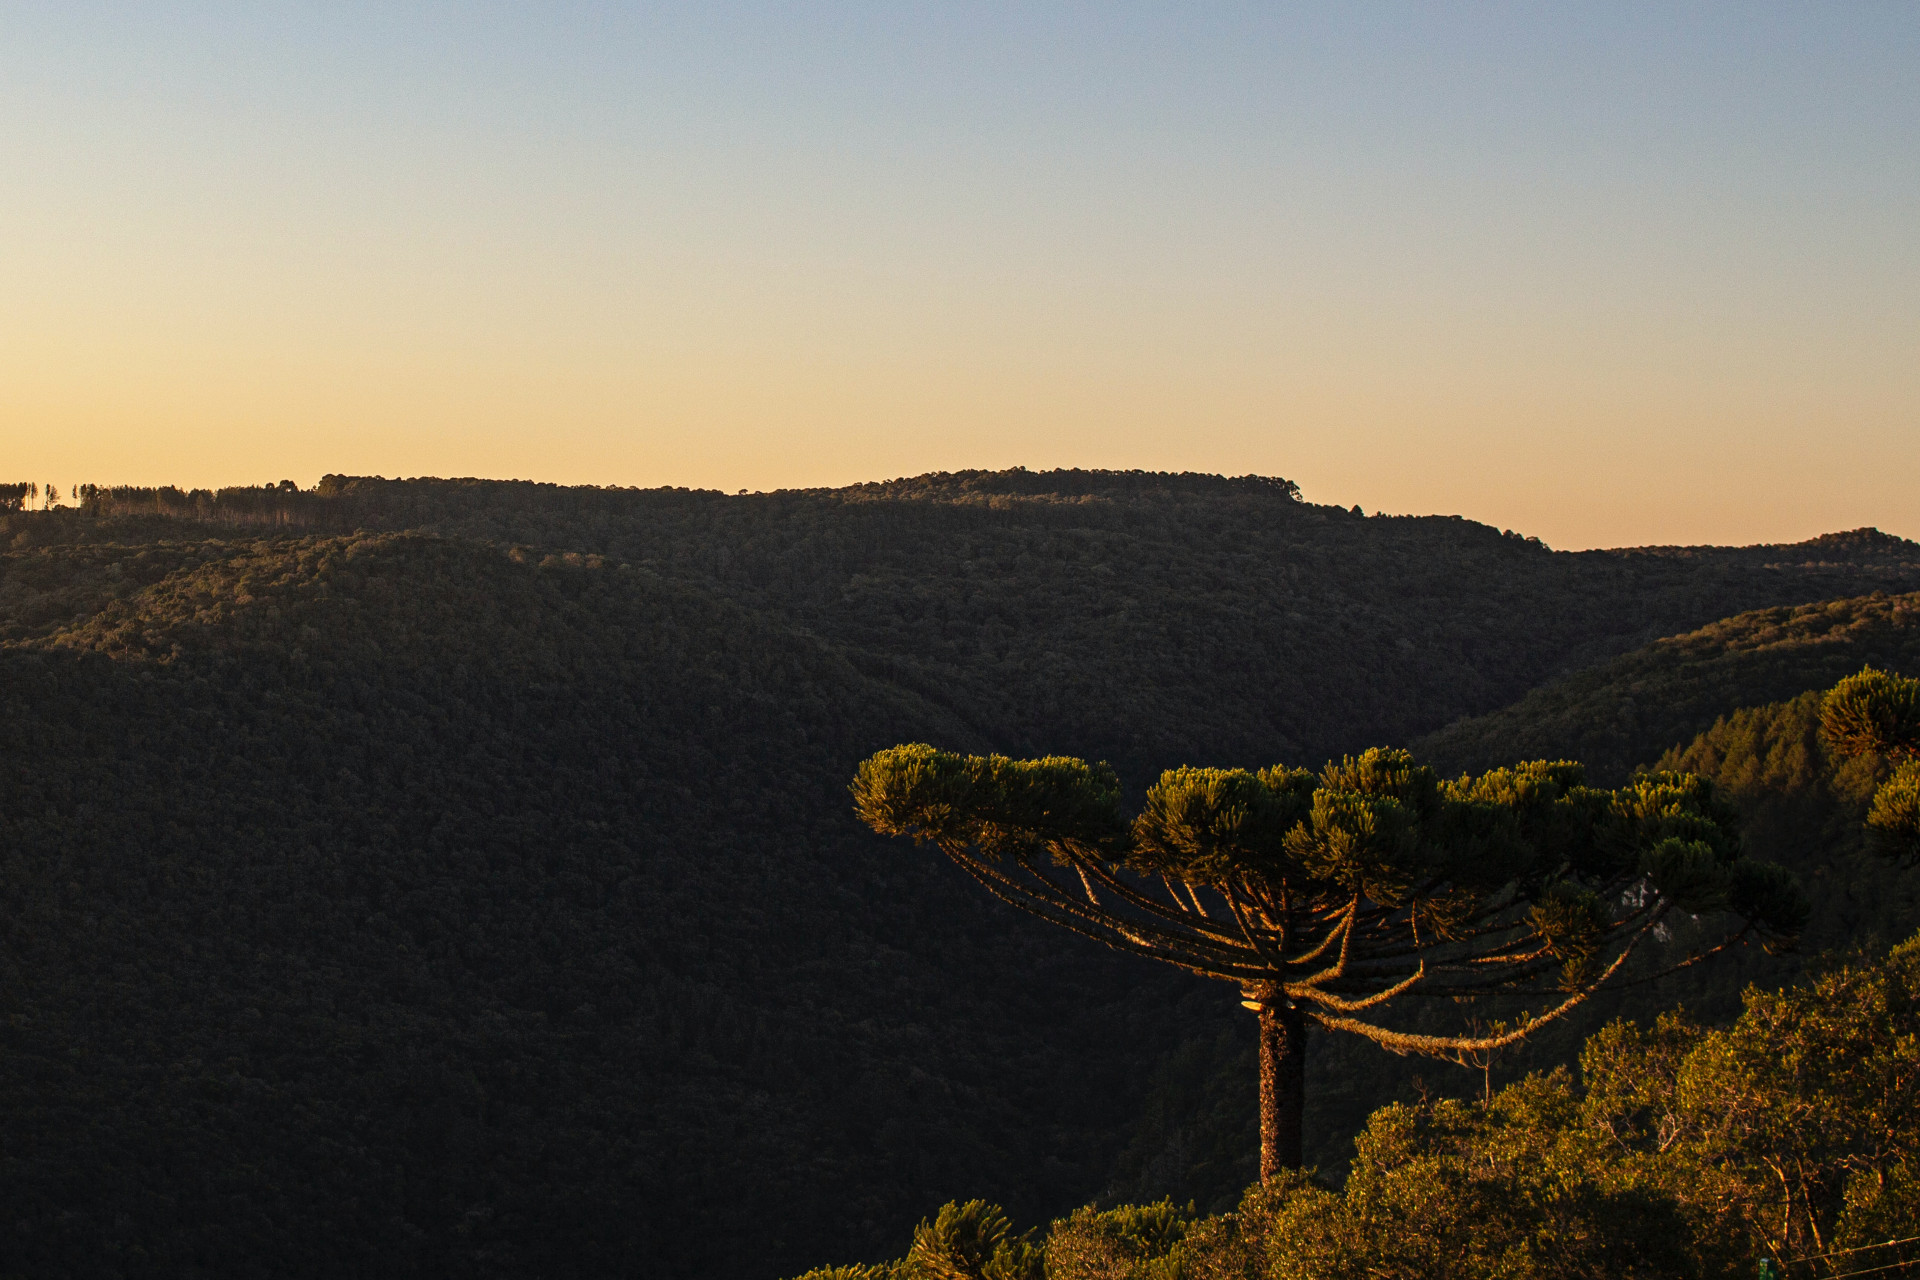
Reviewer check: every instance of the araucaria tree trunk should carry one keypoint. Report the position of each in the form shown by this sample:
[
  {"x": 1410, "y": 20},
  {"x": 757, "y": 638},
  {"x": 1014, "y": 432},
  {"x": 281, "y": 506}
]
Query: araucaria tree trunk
[
  {"x": 1324, "y": 898},
  {"x": 1283, "y": 1087}
]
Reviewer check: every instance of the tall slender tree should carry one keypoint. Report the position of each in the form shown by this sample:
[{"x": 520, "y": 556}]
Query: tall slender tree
[{"x": 1327, "y": 899}]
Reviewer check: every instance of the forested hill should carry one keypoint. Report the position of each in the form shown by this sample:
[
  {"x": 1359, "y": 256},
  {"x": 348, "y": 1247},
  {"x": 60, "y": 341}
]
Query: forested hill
[
  {"x": 1139, "y": 617},
  {"x": 1627, "y": 711},
  {"x": 385, "y": 905},
  {"x": 477, "y": 894}
]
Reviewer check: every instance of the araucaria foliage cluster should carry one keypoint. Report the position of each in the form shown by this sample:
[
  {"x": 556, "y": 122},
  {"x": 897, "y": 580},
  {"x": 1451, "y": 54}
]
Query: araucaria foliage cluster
[
  {"x": 1328, "y": 897},
  {"x": 1876, "y": 713}
]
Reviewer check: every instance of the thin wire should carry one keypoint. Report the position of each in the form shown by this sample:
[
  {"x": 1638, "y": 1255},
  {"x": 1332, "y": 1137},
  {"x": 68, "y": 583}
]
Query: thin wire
[
  {"x": 1870, "y": 1270},
  {"x": 1859, "y": 1248}
]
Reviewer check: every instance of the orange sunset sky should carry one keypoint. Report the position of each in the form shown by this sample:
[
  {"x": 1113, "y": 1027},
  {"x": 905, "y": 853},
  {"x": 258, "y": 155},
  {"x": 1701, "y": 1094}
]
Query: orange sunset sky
[{"x": 1605, "y": 274}]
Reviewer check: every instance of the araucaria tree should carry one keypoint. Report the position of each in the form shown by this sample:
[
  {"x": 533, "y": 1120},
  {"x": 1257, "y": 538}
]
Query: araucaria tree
[
  {"x": 1877, "y": 713},
  {"x": 1330, "y": 898}
]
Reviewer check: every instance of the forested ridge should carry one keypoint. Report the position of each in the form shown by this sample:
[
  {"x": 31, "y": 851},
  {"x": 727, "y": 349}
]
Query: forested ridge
[
  {"x": 1624, "y": 712},
  {"x": 450, "y": 878},
  {"x": 1141, "y": 618}
]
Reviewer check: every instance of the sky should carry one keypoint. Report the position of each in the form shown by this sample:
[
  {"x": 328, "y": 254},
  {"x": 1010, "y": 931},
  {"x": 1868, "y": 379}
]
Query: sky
[{"x": 1606, "y": 273}]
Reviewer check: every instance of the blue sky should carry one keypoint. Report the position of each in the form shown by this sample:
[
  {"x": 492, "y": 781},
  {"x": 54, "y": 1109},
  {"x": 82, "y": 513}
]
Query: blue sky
[{"x": 1607, "y": 273}]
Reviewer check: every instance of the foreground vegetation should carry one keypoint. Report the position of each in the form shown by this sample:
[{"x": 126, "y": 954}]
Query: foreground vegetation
[{"x": 1792, "y": 1135}]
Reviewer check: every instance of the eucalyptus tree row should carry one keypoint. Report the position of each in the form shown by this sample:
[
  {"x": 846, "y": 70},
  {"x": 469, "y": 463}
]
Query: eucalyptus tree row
[{"x": 1334, "y": 899}]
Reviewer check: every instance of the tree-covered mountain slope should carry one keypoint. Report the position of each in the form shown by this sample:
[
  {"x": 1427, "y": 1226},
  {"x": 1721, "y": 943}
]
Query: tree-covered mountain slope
[
  {"x": 1146, "y": 619},
  {"x": 1626, "y": 712},
  {"x": 383, "y": 905},
  {"x": 487, "y": 901},
  {"x": 1805, "y": 809}
]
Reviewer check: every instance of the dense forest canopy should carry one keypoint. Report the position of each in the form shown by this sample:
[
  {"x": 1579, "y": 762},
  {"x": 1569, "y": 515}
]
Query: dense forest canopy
[
  {"x": 458, "y": 878},
  {"x": 1141, "y": 618}
]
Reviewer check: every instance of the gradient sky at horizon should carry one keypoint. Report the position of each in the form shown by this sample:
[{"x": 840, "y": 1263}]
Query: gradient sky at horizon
[{"x": 1605, "y": 273}]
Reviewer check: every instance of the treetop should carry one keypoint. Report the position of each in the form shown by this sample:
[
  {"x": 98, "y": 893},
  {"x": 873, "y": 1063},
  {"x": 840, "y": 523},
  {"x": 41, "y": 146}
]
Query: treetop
[
  {"x": 1377, "y": 827},
  {"x": 1872, "y": 713},
  {"x": 1877, "y": 713}
]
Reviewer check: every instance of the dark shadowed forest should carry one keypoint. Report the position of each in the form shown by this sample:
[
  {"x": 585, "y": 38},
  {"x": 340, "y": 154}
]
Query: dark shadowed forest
[{"x": 459, "y": 878}]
